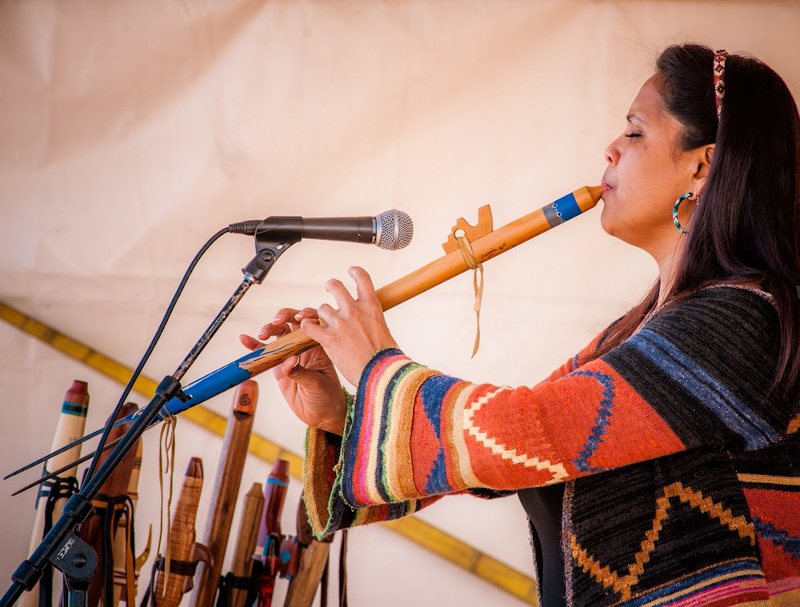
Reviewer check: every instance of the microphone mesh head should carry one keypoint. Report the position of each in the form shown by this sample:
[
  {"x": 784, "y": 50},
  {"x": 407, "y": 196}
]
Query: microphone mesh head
[{"x": 395, "y": 230}]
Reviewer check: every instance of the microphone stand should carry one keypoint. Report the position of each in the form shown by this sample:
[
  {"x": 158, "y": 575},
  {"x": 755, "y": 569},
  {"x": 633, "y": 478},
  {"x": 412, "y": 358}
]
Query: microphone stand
[{"x": 61, "y": 547}]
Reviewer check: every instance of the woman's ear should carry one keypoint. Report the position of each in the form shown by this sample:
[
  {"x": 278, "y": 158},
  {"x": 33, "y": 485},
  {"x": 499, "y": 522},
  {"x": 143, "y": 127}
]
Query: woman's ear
[{"x": 702, "y": 158}]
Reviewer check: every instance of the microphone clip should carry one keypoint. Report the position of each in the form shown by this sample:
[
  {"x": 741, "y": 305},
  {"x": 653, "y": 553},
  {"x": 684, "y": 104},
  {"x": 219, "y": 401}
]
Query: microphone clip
[{"x": 270, "y": 245}]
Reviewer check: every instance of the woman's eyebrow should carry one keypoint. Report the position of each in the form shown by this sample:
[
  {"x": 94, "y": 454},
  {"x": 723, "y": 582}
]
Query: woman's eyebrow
[{"x": 634, "y": 117}]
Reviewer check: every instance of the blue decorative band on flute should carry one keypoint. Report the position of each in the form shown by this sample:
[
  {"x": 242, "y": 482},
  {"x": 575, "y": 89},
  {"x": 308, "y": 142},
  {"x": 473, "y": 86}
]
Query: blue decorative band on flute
[
  {"x": 74, "y": 409},
  {"x": 563, "y": 209}
]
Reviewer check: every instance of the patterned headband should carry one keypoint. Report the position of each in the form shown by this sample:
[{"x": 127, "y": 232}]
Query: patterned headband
[{"x": 720, "y": 57}]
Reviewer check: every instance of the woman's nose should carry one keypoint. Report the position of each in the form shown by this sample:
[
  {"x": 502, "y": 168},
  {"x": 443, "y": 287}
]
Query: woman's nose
[{"x": 612, "y": 153}]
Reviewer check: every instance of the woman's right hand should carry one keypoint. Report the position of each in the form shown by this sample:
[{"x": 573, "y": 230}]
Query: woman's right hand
[{"x": 308, "y": 381}]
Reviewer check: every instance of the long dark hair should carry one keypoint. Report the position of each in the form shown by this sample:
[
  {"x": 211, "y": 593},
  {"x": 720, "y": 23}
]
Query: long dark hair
[{"x": 746, "y": 228}]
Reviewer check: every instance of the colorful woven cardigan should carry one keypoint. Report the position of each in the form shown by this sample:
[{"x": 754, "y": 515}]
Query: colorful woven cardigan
[{"x": 681, "y": 464}]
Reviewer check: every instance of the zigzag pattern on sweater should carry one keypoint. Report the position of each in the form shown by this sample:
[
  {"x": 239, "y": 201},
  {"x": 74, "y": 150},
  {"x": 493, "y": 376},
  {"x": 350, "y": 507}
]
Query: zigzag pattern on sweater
[{"x": 624, "y": 584}]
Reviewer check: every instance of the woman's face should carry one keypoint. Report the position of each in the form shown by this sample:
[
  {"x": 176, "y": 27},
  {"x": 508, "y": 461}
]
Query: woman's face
[{"x": 646, "y": 173}]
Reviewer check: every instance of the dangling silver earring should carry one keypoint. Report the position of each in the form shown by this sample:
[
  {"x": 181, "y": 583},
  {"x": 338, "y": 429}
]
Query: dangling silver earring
[{"x": 675, "y": 213}]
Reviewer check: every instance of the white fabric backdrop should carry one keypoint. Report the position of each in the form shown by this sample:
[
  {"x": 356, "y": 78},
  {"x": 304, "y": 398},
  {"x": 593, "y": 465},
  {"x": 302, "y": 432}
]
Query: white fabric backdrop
[{"x": 129, "y": 133}]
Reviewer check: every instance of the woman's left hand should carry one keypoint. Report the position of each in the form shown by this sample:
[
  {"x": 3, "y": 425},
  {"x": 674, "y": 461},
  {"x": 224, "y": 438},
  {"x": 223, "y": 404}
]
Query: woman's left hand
[{"x": 355, "y": 331}]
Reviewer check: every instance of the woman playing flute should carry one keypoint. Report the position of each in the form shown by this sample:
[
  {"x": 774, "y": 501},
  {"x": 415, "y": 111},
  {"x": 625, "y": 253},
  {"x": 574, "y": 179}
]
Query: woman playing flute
[{"x": 660, "y": 465}]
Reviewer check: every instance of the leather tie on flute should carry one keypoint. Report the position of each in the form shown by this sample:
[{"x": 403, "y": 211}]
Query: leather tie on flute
[
  {"x": 226, "y": 490},
  {"x": 170, "y": 581},
  {"x": 126, "y": 572},
  {"x": 238, "y": 581},
  {"x": 98, "y": 529},
  {"x": 70, "y": 427}
]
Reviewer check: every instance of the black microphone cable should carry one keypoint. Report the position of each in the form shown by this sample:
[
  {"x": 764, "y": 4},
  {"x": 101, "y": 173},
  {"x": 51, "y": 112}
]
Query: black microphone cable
[{"x": 149, "y": 351}]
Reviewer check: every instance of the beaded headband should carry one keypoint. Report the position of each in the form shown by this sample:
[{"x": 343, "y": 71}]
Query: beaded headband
[{"x": 720, "y": 57}]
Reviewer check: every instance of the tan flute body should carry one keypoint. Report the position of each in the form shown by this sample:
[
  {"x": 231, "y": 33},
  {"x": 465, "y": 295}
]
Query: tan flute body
[
  {"x": 70, "y": 427},
  {"x": 313, "y": 557},
  {"x": 303, "y": 587}
]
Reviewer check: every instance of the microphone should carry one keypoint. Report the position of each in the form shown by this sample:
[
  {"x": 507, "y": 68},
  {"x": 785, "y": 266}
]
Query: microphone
[{"x": 390, "y": 230}]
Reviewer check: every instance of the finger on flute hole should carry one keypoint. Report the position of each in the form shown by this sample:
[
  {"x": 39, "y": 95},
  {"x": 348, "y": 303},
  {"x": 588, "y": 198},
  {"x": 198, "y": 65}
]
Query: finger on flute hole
[{"x": 250, "y": 342}]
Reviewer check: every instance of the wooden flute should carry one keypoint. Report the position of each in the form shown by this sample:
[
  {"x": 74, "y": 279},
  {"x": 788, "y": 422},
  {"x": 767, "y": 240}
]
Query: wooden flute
[
  {"x": 71, "y": 424},
  {"x": 98, "y": 530},
  {"x": 486, "y": 244},
  {"x": 170, "y": 583},
  {"x": 226, "y": 489}
]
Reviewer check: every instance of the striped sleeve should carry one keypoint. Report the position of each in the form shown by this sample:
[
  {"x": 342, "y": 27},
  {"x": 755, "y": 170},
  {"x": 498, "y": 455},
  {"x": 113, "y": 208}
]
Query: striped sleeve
[
  {"x": 327, "y": 510},
  {"x": 414, "y": 433}
]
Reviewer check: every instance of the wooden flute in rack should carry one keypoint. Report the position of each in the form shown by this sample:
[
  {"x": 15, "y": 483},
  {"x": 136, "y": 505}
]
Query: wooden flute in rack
[
  {"x": 226, "y": 489},
  {"x": 486, "y": 244},
  {"x": 71, "y": 423}
]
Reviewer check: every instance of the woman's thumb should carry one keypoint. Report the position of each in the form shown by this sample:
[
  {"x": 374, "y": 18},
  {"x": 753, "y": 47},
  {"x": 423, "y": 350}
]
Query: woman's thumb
[{"x": 291, "y": 367}]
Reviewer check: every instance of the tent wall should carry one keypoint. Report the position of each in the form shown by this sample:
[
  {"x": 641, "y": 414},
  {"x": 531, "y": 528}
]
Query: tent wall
[{"x": 131, "y": 132}]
